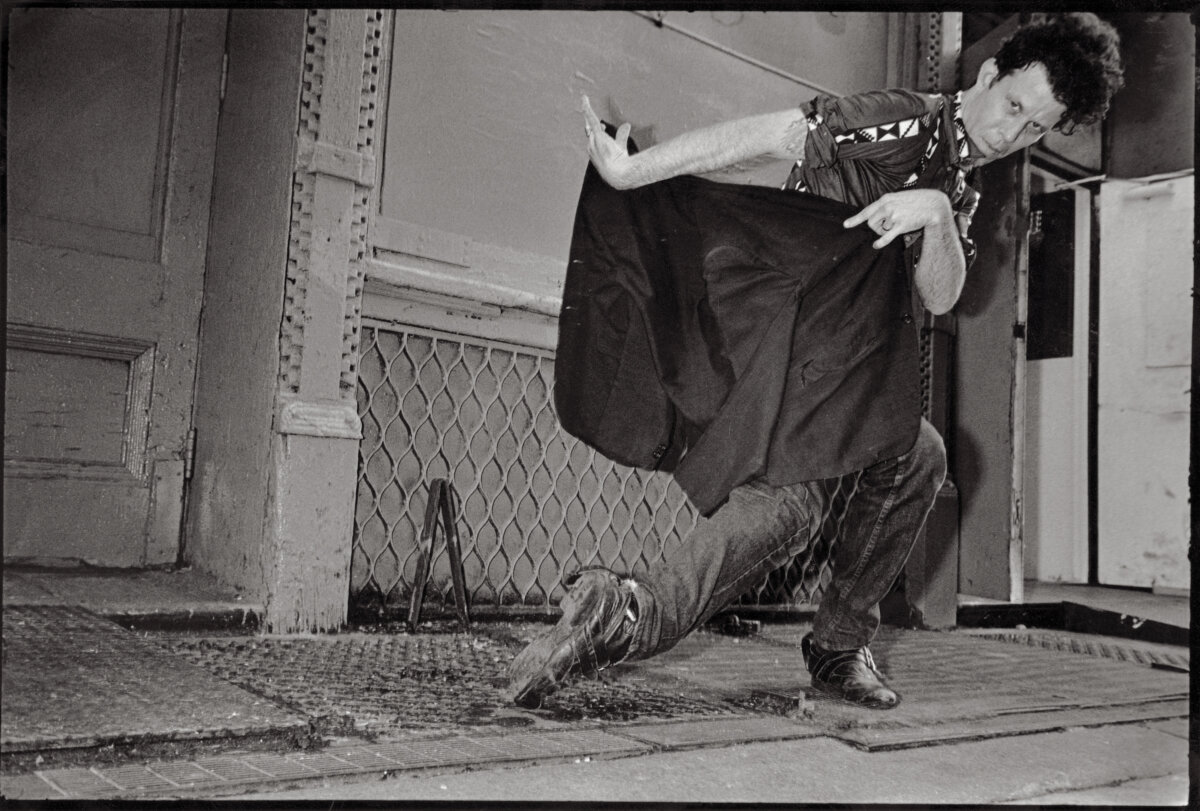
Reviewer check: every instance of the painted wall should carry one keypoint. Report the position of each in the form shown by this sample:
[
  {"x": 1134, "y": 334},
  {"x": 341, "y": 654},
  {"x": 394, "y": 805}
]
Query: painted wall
[
  {"x": 814, "y": 45},
  {"x": 484, "y": 144},
  {"x": 1144, "y": 372},
  {"x": 239, "y": 353}
]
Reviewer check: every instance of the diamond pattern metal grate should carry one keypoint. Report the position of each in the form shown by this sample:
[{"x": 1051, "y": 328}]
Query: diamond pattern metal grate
[{"x": 534, "y": 503}]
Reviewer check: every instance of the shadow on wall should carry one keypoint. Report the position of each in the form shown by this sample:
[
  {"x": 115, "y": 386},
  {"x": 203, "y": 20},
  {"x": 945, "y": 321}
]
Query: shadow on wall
[
  {"x": 980, "y": 290},
  {"x": 970, "y": 464}
]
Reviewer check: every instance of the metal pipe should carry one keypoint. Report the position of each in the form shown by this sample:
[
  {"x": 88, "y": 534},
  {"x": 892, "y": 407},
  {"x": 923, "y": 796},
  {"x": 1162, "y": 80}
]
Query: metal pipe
[{"x": 659, "y": 20}]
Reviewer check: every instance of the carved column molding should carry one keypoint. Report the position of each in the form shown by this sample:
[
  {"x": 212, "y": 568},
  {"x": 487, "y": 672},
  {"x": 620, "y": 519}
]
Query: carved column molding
[
  {"x": 931, "y": 574},
  {"x": 939, "y": 70},
  {"x": 317, "y": 427},
  {"x": 334, "y": 175}
]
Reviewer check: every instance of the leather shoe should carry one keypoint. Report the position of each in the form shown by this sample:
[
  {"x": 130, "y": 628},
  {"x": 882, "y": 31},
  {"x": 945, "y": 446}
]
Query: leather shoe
[
  {"x": 850, "y": 675},
  {"x": 594, "y": 632}
]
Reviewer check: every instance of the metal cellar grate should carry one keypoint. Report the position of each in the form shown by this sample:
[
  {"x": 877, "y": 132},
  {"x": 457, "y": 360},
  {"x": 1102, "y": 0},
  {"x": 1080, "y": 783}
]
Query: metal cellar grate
[{"x": 395, "y": 686}]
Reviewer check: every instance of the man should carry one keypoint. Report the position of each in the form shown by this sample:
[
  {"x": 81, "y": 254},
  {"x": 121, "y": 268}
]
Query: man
[{"x": 901, "y": 160}]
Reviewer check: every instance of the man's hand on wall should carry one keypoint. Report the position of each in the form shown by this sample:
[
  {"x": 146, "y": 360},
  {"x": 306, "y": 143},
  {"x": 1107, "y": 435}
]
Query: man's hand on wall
[{"x": 609, "y": 155}]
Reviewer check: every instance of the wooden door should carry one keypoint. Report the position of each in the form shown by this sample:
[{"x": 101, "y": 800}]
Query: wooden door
[
  {"x": 112, "y": 118},
  {"x": 989, "y": 378}
]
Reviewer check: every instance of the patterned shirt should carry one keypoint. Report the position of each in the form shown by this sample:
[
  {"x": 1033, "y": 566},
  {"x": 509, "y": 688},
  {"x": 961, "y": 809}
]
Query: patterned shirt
[{"x": 863, "y": 146}]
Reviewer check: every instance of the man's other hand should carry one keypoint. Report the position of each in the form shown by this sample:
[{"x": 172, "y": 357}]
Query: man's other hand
[{"x": 903, "y": 211}]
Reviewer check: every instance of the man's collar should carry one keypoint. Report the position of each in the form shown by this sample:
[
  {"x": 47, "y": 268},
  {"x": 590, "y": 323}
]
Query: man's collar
[{"x": 963, "y": 157}]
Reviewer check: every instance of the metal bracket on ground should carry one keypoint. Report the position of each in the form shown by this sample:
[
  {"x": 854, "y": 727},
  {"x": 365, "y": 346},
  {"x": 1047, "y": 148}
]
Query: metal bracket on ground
[{"x": 440, "y": 506}]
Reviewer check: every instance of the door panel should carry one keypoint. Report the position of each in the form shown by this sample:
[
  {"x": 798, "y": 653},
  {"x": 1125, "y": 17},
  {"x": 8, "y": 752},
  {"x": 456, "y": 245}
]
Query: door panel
[
  {"x": 76, "y": 399},
  {"x": 100, "y": 138},
  {"x": 110, "y": 164}
]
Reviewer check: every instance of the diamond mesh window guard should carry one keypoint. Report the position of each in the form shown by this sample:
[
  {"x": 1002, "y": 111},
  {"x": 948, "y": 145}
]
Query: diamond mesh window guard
[{"x": 534, "y": 503}]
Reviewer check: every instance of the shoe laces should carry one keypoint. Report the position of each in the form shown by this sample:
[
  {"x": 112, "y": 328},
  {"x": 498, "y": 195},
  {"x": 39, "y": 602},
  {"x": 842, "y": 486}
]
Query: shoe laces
[
  {"x": 825, "y": 660},
  {"x": 625, "y": 583}
]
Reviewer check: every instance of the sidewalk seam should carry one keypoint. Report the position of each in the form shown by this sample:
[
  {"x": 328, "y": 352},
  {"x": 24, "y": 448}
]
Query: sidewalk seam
[{"x": 433, "y": 753}]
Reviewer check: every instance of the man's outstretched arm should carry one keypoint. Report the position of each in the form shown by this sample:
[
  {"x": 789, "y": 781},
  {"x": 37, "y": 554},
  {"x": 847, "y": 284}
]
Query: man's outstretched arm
[
  {"x": 777, "y": 136},
  {"x": 942, "y": 268},
  {"x": 940, "y": 271}
]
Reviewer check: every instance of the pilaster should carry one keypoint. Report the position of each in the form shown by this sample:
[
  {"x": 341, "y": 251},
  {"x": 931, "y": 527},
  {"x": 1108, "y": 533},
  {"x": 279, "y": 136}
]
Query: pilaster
[
  {"x": 931, "y": 575},
  {"x": 316, "y": 426}
]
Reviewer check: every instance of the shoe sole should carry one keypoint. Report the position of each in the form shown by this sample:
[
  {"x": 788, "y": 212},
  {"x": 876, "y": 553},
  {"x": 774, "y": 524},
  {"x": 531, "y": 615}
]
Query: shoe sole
[{"x": 834, "y": 692}]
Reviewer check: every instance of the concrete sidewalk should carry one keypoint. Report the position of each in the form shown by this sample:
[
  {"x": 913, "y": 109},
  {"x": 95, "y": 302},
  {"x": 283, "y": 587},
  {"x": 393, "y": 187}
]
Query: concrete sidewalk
[
  {"x": 97, "y": 712},
  {"x": 1141, "y": 764}
]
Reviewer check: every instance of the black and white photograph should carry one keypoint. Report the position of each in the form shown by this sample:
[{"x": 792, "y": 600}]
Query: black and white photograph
[{"x": 572, "y": 405}]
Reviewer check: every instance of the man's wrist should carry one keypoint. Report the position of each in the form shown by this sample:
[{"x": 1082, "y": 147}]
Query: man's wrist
[
  {"x": 636, "y": 173},
  {"x": 628, "y": 173},
  {"x": 943, "y": 214}
]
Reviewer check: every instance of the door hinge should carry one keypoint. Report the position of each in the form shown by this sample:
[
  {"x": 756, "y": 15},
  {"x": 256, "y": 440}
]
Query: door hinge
[
  {"x": 1019, "y": 331},
  {"x": 224, "y": 74},
  {"x": 189, "y": 455}
]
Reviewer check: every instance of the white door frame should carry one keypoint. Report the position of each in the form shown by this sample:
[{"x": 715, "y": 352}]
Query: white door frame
[{"x": 1060, "y": 553}]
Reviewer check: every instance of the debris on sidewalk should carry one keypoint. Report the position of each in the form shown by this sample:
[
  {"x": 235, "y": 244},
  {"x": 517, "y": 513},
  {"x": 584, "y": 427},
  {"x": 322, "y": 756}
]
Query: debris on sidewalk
[{"x": 733, "y": 625}]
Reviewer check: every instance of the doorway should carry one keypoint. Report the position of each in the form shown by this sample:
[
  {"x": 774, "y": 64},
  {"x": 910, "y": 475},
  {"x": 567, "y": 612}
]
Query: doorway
[{"x": 110, "y": 158}]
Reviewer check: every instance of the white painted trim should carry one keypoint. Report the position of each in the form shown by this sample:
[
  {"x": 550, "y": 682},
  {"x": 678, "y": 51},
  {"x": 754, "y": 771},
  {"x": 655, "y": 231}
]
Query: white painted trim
[
  {"x": 1064, "y": 558},
  {"x": 425, "y": 274},
  {"x": 406, "y": 239},
  {"x": 337, "y": 420},
  {"x": 324, "y": 158},
  {"x": 1016, "y": 543},
  {"x": 387, "y": 305},
  {"x": 1079, "y": 374},
  {"x": 113, "y": 473}
]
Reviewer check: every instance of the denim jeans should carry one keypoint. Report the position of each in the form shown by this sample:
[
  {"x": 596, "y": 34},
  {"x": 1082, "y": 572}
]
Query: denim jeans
[{"x": 760, "y": 527}]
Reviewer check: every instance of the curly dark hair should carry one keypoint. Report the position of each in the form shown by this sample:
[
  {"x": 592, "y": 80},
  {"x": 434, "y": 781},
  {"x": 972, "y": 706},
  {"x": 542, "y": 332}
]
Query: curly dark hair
[{"x": 1081, "y": 54}]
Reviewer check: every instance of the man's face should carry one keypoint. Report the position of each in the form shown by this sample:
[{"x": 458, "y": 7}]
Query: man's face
[{"x": 1005, "y": 114}]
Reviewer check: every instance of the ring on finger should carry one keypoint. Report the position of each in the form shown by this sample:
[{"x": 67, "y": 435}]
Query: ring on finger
[{"x": 884, "y": 225}]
